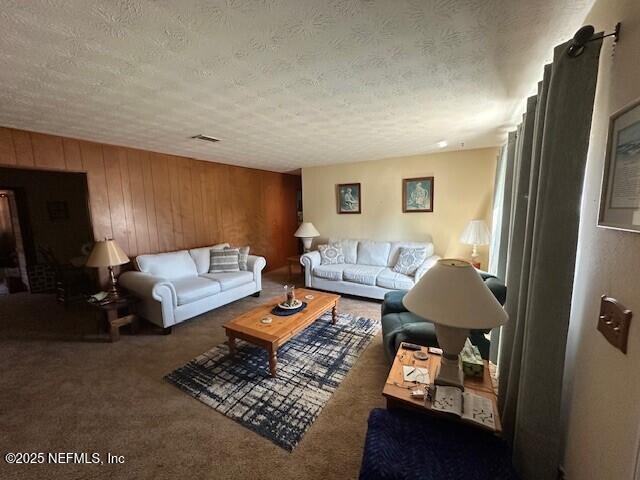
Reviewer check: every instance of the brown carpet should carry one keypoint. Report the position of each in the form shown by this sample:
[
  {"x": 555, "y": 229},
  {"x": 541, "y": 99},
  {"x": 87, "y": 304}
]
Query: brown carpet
[{"x": 64, "y": 388}]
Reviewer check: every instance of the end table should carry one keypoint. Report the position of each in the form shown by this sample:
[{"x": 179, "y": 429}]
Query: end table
[
  {"x": 117, "y": 314},
  {"x": 292, "y": 260},
  {"x": 398, "y": 392}
]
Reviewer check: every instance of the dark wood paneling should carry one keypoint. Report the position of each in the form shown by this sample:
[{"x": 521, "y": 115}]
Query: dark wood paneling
[
  {"x": 24, "y": 149},
  {"x": 152, "y": 202},
  {"x": 7, "y": 151},
  {"x": 48, "y": 151},
  {"x": 135, "y": 166},
  {"x": 116, "y": 197},
  {"x": 93, "y": 164},
  {"x": 149, "y": 201},
  {"x": 72, "y": 156}
]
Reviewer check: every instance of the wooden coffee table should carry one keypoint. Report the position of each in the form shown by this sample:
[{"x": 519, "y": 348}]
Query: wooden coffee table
[{"x": 272, "y": 336}]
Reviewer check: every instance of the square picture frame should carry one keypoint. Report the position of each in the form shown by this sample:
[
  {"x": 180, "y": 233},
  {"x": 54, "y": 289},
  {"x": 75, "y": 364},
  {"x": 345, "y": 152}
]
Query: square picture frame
[
  {"x": 417, "y": 195},
  {"x": 349, "y": 198},
  {"x": 620, "y": 190}
]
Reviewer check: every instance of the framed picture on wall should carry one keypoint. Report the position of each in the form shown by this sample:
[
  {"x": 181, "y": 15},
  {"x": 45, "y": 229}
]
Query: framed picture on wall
[
  {"x": 620, "y": 196},
  {"x": 349, "y": 198},
  {"x": 417, "y": 194}
]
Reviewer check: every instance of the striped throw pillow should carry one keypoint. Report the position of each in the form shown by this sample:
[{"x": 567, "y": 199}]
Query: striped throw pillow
[
  {"x": 226, "y": 260},
  {"x": 243, "y": 256}
]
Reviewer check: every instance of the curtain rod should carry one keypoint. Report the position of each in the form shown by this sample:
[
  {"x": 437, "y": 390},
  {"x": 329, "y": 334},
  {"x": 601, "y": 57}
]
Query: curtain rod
[{"x": 585, "y": 35}]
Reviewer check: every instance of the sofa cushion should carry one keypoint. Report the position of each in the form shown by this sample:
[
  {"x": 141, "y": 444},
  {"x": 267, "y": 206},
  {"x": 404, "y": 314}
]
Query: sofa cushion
[
  {"x": 364, "y": 274},
  {"x": 394, "y": 251},
  {"x": 168, "y": 265},
  {"x": 330, "y": 254},
  {"x": 409, "y": 260},
  {"x": 230, "y": 280},
  {"x": 373, "y": 253},
  {"x": 329, "y": 272},
  {"x": 387, "y": 278},
  {"x": 349, "y": 248},
  {"x": 192, "y": 289},
  {"x": 202, "y": 256}
]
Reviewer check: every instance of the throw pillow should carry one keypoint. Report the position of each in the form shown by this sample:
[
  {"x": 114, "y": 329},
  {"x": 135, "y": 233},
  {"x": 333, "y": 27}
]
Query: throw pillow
[
  {"x": 243, "y": 256},
  {"x": 226, "y": 260},
  {"x": 410, "y": 259},
  {"x": 331, "y": 254}
]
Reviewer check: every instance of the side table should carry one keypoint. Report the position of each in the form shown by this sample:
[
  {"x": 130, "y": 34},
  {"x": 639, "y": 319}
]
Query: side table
[
  {"x": 397, "y": 391},
  {"x": 117, "y": 314},
  {"x": 292, "y": 260}
]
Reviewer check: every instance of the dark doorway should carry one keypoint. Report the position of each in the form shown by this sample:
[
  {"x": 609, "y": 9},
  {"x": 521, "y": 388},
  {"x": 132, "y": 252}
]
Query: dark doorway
[
  {"x": 12, "y": 265},
  {"x": 51, "y": 229}
]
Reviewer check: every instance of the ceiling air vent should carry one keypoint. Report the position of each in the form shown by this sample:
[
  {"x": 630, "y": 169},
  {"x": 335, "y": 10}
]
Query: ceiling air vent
[{"x": 206, "y": 138}]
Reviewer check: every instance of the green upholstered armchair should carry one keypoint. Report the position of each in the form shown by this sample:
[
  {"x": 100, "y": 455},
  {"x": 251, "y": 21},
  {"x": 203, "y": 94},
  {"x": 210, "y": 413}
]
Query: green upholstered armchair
[{"x": 400, "y": 325}]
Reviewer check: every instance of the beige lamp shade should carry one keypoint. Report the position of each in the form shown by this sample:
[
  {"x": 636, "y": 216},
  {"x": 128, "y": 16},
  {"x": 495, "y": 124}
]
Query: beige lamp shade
[
  {"x": 106, "y": 253},
  {"x": 476, "y": 233},
  {"x": 452, "y": 293},
  {"x": 306, "y": 230}
]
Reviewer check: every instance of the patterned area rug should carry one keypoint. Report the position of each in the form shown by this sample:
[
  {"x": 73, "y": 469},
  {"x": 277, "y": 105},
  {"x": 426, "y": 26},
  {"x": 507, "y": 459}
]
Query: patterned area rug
[{"x": 311, "y": 366}]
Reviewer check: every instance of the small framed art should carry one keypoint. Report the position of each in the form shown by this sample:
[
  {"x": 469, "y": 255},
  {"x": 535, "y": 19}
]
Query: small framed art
[
  {"x": 349, "y": 198},
  {"x": 417, "y": 194}
]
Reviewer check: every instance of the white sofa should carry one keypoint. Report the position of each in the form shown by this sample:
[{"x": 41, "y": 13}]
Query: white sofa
[
  {"x": 368, "y": 268},
  {"x": 176, "y": 286}
]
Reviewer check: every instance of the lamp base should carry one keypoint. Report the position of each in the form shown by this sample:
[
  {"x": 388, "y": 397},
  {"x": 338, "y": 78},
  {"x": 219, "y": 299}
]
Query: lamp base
[
  {"x": 451, "y": 340},
  {"x": 450, "y": 373},
  {"x": 112, "y": 291},
  {"x": 475, "y": 258},
  {"x": 306, "y": 244}
]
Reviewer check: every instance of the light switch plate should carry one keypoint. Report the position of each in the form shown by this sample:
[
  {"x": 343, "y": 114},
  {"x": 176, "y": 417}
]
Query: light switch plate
[{"x": 614, "y": 322}]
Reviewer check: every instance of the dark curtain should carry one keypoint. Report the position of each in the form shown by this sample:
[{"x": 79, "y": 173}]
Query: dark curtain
[{"x": 548, "y": 158}]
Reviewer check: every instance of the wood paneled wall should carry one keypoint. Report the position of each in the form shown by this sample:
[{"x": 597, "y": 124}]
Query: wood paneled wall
[{"x": 153, "y": 202}]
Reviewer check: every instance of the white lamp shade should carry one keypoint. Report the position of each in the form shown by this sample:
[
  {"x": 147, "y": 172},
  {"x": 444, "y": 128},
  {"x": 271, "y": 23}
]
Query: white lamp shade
[
  {"x": 306, "y": 230},
  {"x": 106, "y": 253},
  {"x": 476, "y": 233},
  {"x": 452, "y": 293}
]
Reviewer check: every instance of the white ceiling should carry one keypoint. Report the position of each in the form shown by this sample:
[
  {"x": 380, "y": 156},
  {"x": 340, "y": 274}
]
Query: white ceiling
[{"x": 284, "y": 84}]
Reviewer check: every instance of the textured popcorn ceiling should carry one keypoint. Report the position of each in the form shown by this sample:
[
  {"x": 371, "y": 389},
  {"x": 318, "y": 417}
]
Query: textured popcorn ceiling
[{"x": 282, "y": 84}]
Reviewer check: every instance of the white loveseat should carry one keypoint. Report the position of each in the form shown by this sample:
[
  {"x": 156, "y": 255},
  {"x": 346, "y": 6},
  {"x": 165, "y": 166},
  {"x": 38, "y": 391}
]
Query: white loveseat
[
  {"x": 368, "y": 268},
  {"x": 176, "y": 286}
]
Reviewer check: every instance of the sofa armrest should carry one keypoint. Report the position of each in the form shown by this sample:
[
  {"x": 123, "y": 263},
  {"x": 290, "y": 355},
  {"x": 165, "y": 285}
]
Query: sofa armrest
[
  {"x": 426, "y": 265},
  {"x": 256, "y": 264},
  {"x": 309, "y": 261},
  {"x": 144, "y": 286},
  {"x": 158, "y": 296}
]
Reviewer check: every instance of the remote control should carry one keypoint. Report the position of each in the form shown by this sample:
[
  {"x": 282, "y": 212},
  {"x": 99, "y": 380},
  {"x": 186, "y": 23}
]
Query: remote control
[{"x": 411, "y": 346}]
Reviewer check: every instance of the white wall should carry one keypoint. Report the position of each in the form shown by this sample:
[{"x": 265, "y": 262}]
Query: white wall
[
  {"x": 463, "y": 190},
  {"x": 603, "y": 389}
]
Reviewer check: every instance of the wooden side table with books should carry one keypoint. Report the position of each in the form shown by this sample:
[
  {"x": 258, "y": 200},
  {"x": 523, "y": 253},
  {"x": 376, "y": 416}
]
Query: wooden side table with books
[
  {"x": 117, "y": 314},
  {"x": 397, "y": 391}
]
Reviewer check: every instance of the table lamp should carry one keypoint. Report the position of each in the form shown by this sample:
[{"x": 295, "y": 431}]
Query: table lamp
[
  {"x": 475, "y": 233},
  {"x": 307, "y": 232},
  {"x": 454, "y": 297},
  {"x": 107, "y": 253}
]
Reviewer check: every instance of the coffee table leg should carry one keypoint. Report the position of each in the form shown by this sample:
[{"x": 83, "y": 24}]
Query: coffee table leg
[
  {"x": 334, "y": 313},
  {"x": 232, "y": 345},
  {"x": 273, "y": 361}
]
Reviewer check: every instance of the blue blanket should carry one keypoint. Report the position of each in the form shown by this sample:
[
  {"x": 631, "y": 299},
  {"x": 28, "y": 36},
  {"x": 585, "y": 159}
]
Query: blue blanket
[{"x": 403, "y": 445}]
